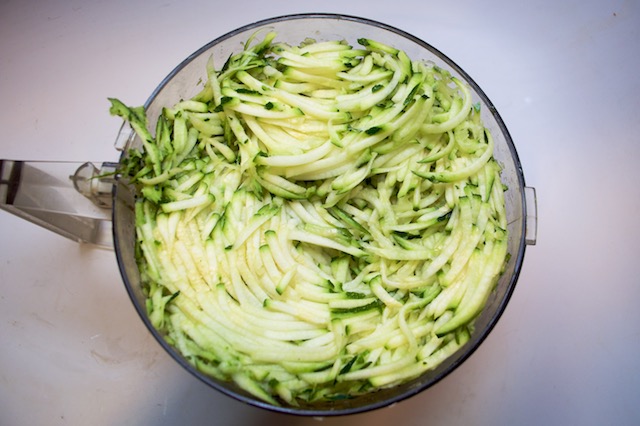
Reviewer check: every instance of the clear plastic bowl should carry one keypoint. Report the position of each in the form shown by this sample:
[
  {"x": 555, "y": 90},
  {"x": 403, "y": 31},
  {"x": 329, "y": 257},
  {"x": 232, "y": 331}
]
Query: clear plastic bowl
[{"x": 187, "y": 79}]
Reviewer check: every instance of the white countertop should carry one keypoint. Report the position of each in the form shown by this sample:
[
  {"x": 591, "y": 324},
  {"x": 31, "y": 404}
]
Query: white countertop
[{"x": 564, "y": 75}]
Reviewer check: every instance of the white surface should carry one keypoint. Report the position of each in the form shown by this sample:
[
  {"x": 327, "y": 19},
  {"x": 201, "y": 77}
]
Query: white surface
[{"x": 564, "y": 76}]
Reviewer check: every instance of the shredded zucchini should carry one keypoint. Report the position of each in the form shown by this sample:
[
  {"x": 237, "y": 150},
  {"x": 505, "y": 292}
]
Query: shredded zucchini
[{"x": 320, "y": 221}]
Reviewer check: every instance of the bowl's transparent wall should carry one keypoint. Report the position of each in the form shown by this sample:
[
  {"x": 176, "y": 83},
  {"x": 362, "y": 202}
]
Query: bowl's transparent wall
[{"x": 188, "y": 79}]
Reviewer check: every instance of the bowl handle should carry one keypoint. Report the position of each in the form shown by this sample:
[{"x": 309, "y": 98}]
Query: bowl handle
[
  {"x": 70, "y": 198},
  {"x": 531, "y": 227}
]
